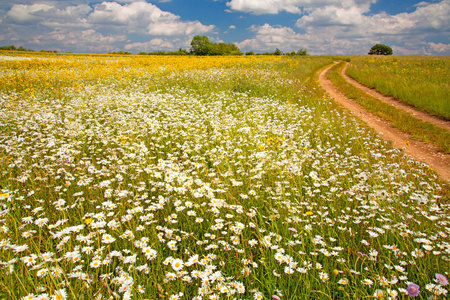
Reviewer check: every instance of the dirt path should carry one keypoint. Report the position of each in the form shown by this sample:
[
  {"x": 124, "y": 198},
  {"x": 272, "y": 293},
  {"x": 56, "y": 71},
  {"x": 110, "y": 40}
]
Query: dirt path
[
  {"x": 392, "y": 101},
  {"x": 424, "y": 152}
]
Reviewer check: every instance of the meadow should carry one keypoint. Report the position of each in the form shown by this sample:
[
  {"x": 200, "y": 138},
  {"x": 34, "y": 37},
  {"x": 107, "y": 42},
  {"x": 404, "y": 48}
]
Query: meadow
[
  {"x": 205, "y": 178},
  {"x": 416, "y": 128},
  {"x": 421, "y": 81}
]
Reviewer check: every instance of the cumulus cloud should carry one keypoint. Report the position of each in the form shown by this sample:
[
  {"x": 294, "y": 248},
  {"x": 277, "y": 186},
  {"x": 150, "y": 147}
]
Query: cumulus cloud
[
  {"x": 264, "y": 6},
  {"x": 268, "y": 38},
  {"x": 346, "y": 27},
  {"x": 142, "y": 17},
  {"x": 292, "y": 6},
  {"x": 25, "y": 14},
  {"x": 439, "y": 48},
  {"x": 427, "y": 17},
  {"x": 106, "y": 23},
  {"x": 87, "y": 40},
  {"x": 152, "y": 45}
]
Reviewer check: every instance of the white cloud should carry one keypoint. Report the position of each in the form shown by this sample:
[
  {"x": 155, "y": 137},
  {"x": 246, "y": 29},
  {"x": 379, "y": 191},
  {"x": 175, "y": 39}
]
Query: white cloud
[
  {"x": 81, "y": 41},
  {"x": 292, "y": 6},
  {"x": 152, "y": 45},
  {"x": 264, "y": 6},
  {"x": 438, "y": 48},
  {"x": 24, "y": 14},
  {"x": 142, "y": 17},
  {"x": 269, "y": 38},
  {"x": 106, "y": 24}
]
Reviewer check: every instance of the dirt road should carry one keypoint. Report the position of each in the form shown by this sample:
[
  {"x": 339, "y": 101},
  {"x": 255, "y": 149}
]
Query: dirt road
[{"x": 426, "y": 153}]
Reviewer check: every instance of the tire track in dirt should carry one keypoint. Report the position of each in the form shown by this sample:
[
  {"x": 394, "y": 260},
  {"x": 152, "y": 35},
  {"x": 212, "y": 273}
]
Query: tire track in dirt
[
  {"x": 426, "y": 153},
  {"x": 397, "y": 104}
]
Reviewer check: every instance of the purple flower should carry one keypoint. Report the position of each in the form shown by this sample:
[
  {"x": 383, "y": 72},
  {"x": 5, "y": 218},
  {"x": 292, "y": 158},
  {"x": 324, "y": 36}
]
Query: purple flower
[
  {"x": 276, "y": 297},
  {"x": 293, "y": 230},
  {"x": 442, "y": 279},
  {"x": 413, "y": 290}
]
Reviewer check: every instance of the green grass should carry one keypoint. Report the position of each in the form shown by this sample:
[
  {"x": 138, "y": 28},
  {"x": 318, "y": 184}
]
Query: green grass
[
  {"x": 421, "y": 81},
  {"x": 245, "y": 172},
  {"x": 416, "y": 128}
]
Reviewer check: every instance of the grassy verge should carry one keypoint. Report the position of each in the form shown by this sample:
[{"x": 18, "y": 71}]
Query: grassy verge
[
  {"x": 421, "y": 81},
  {"x": 416, "y": 128}
]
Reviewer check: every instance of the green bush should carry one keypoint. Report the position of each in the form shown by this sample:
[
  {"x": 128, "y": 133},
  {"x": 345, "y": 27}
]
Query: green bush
[{"x": 380, "y": 49}]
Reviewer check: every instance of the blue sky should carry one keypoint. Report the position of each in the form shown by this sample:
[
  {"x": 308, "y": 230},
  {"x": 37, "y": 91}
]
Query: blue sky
[{"x": 321, "y": 26}]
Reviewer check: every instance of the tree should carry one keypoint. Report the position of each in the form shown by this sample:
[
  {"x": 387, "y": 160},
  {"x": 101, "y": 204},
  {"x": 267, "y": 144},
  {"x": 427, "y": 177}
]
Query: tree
[
  {"x": 302, "y": 52},
  {"x": 200, "y": 45},
  {"x": 380, "y": 49}
]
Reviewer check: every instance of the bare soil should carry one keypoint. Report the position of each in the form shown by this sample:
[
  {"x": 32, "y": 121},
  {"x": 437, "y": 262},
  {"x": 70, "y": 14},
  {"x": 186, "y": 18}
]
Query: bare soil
[
  {"x": 426, "y": 153},
  {"x": 397, "y": 104}
]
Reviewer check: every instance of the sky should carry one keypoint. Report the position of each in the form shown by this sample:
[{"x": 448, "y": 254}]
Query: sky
[{"x": 320, "y": 26}]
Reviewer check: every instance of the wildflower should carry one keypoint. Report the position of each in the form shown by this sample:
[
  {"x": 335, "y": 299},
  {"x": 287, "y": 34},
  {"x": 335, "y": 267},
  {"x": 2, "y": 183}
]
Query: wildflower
[
  {"x": 60, "y": 295},
  {"x": 95, "y": 263},
  {"x": 379, "y": 294},
  {"x": 293, "y": 230},
  {"x": 367, "y": 282},
  {"x": 276, "y": 297},
  {"x": 323, "y": 276},
  {"x": 149, "y": 253},
  {"x": 258, "y": 296},
  {"x": 171, "y": 276},
  {"x": 107, "y": 239},
  {"x": 177, "y": 264},
  {"x": 442, "y": 279},
  {"x": 413, "y": 290},
  {"x": 30, "y": 296}
]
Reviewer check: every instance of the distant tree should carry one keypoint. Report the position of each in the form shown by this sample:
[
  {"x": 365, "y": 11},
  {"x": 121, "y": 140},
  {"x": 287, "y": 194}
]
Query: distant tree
[
  {"x": 302, "y": 52},
  {"x": 277, "y": 52},
  {"x": 380, "y": 49},
  {"x": 250, "y": 53},
  {"x": 200, "y": 45},
  {"x": 120, "y": 52},
  {"x": 11, "y": 48}
]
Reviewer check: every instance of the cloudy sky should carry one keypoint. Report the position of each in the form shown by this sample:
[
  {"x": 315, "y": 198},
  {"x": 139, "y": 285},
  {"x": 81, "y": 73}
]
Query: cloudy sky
[{"x": 321, "y": 26}]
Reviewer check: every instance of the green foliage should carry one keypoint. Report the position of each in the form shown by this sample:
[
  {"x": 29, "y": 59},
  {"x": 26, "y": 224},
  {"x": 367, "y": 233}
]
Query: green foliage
[
  {"x": 179, "y": 52},
  {"x": 250, "y": 53},
  {"x": 13, "y": 48},
  {"x": 120, "y": 52},
  {"x": 200, "y": 45},
  {"x": 301, "y": 52},
  {"x": 380, "y": 49}
]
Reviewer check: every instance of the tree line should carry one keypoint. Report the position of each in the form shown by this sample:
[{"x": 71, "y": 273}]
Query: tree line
[
  {"x": 13, "y": 48},
  {"x": 201, "y": 45}
]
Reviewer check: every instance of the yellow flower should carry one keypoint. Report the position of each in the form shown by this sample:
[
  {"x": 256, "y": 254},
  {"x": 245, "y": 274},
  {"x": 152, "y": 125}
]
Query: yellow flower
[{"x": 309, "y": 213}]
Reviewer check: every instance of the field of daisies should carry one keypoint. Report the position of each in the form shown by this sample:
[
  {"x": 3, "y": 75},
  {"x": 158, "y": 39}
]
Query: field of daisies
[{"x": 152, "y": 177}]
